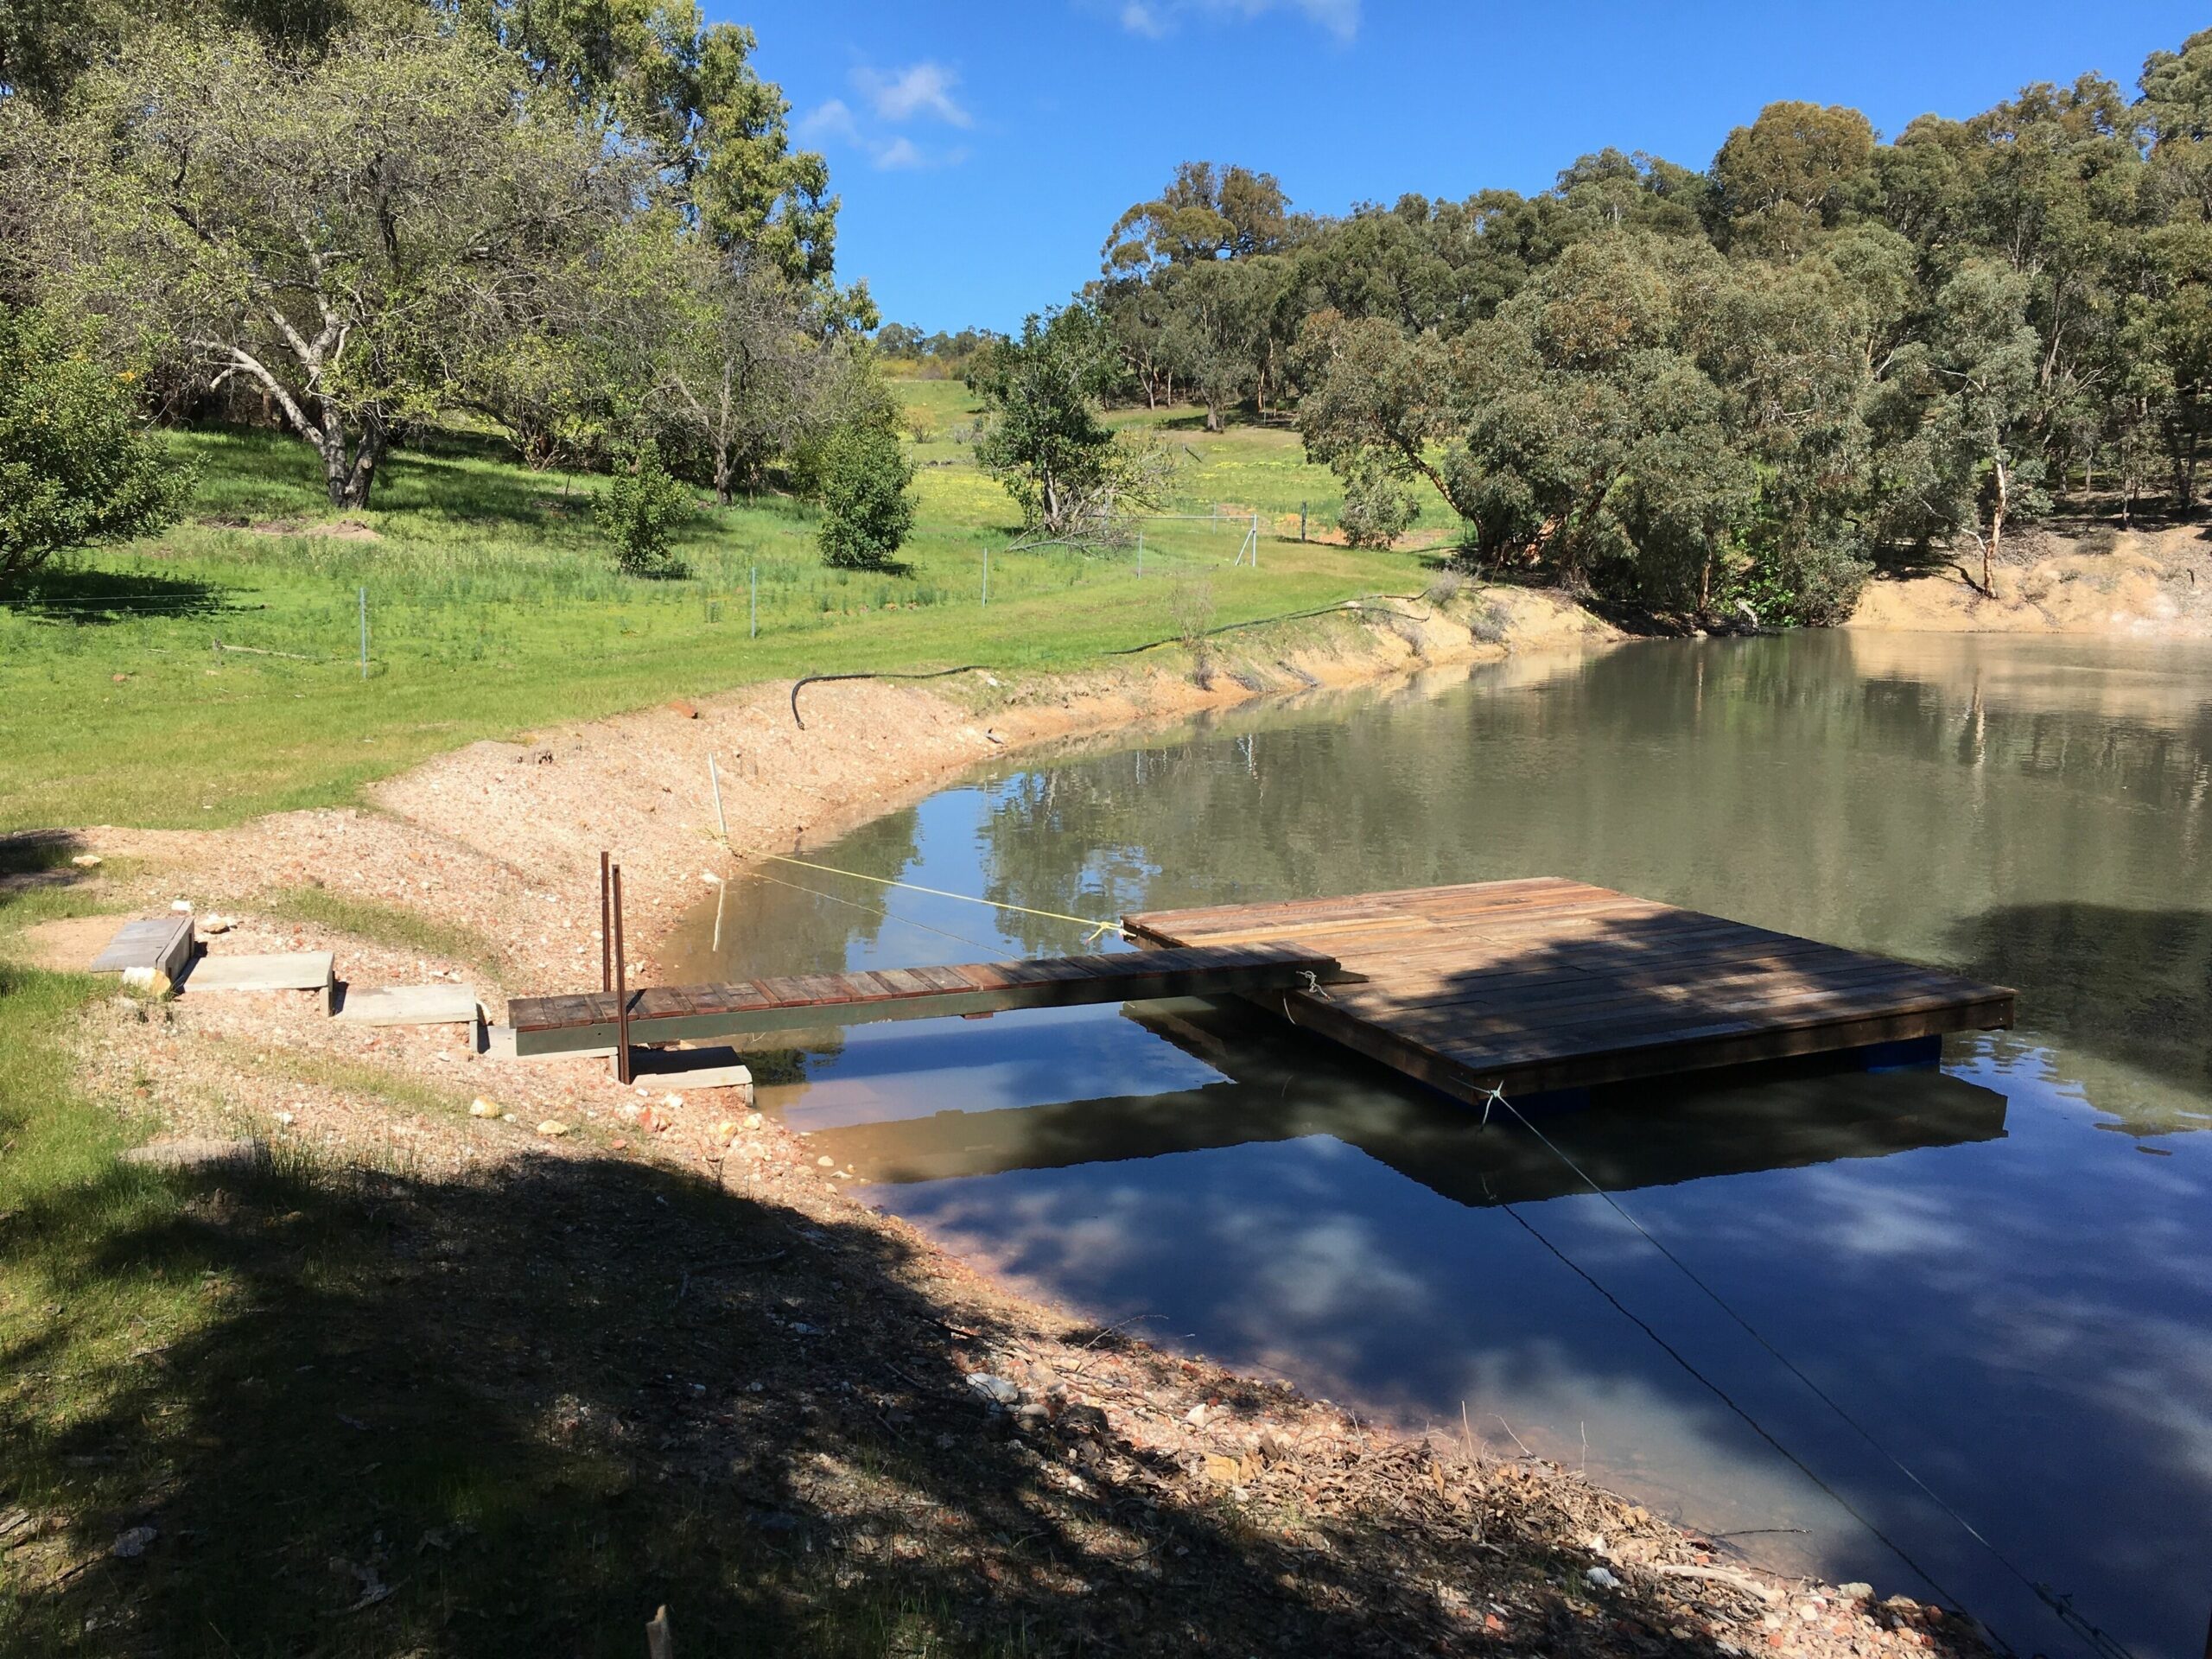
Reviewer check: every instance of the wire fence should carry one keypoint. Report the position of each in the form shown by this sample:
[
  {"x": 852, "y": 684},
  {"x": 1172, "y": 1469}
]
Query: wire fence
[{"x": 308, "y": 603}]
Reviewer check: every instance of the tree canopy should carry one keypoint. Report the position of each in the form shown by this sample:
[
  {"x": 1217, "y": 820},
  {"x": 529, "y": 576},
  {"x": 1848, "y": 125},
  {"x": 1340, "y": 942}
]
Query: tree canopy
[{"x": 1735, "y": 388}]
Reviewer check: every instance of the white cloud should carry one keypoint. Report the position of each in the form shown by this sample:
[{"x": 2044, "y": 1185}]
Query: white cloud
[
  {"x": 1156, "y": 18},
  {"x": 924, "y": 88},
  {"x": 1141, "y": 19},
  {"x": 833, "y": 120},
  {"x": 900, "y": 153}
]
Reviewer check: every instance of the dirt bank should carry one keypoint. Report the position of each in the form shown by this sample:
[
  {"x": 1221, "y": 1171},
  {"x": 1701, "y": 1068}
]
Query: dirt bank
[
  {"x": 2128, "y": 584},
  {"x": 811, "y": 1425}
]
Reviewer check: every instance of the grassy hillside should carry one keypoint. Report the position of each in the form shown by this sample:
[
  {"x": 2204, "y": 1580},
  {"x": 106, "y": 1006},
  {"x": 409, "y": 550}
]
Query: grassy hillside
[{"x": 213, "y": 672}]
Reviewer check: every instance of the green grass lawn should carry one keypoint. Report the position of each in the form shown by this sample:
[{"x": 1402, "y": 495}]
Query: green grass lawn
[{"x": 494, "y": 605}]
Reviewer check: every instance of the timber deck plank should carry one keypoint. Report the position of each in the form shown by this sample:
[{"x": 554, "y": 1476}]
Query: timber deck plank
[
  {"x": 1547, "y": 983},
  {"x": 579, "y": 1022}
]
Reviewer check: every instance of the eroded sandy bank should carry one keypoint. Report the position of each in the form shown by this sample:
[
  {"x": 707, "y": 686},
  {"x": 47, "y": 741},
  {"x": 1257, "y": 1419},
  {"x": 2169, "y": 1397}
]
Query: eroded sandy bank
[{"x": 2126, "y": 584}]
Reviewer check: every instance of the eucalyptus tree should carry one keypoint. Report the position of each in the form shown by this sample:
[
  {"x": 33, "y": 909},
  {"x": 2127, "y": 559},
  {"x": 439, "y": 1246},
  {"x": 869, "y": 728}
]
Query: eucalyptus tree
[
  {"x": 1207, "y": 212},
  {"x": 1216, "y": 331},
  {"x": 1793, "y": 172},
  {"x": 687, "y": 93}
]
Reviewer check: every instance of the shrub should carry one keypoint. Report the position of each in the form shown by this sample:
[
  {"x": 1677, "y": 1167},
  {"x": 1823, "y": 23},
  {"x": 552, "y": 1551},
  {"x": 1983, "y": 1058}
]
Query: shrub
[
  {"x": 74, "y": 467},
  {"x": 640, "y": 510},
  {"x": 1378, "y": 506},
  {"x": 868, "y": 498},
  {"x": 1444, "y": 585},
  {"x": 1190, "y": 603}
]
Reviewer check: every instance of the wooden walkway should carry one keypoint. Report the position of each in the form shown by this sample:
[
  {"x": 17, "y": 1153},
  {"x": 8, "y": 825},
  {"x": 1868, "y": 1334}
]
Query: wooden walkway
[
  {"x": 563, "y": 1025},
  {"x": 1546, "y": 984}
]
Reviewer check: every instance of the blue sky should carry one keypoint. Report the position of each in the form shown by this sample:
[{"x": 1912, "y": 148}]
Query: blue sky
[{"x": 983, "y": 149}]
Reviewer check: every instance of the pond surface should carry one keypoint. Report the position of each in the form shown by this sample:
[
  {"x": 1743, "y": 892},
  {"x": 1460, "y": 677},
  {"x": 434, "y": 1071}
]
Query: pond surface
[{"x": 1999, "y": 1273}]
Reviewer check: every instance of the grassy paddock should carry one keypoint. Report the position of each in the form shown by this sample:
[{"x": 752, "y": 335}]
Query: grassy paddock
[{"x": 494, "y": 605}]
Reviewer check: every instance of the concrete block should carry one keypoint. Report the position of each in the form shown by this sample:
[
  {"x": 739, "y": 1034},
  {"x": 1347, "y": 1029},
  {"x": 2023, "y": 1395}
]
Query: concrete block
[
  {"x": 162, "y": 943},
  {"x": 195, "y": 1152},
  {"x": 691, "y": 1068},
  {"x": 291, "y": 970},
  {"x": 407, "y": 1005}
]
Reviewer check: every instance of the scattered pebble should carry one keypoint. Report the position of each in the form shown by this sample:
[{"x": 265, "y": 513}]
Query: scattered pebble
[
  {"x": 997, "y": 1390},
  {"x": 553, "y": 1127}
]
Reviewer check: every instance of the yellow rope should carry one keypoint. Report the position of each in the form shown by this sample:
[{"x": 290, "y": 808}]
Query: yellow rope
[
  {"x": 884, "y": 911},
  {"x": 1096, "y": 927}
]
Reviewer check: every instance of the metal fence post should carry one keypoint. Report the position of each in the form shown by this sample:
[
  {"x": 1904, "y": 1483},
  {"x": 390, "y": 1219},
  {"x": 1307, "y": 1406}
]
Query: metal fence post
[{"x": 621, "y": 991}]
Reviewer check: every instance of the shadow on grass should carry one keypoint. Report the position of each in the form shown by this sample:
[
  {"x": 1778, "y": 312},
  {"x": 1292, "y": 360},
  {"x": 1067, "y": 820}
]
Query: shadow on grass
[
  {"x": 92, "y": 598},
  {"x": 36, "y": 852},
  {"x": 514, "y": 1416},
  {"x": 514, "y": 1413}
]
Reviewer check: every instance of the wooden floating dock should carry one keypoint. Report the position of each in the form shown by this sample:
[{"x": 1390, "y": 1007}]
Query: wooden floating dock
[
  {"x": 563, "y": 1025},
  {"x": 1540, "y": 985}
]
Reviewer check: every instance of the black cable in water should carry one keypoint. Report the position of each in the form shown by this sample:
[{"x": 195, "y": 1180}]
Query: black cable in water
[{"x": 2098, "y": 1640}]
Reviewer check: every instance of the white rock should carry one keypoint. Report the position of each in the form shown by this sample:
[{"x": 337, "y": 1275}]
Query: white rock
[
  {"x": 997, "y": 1390},
  {"x": 1603, "y": 1578}
]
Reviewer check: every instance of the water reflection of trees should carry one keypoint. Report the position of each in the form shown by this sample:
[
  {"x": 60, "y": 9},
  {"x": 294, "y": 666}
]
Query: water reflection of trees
[
  {"x": 785, "y": 920},
  {"x": 1894, "y": 794},
  {"x": 2128, "y": 994},
  {"x": 780, "y": 920}
]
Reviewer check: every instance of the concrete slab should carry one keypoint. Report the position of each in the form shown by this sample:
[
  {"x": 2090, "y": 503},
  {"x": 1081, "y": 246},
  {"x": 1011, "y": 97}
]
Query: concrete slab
[
  {"x": 407, "y": 1005},
  {"x": 291, "y": 970},
  {"x": 195, "y": 1151},
  {"x": 161, "y": 943},
  {"x": 691, "y": 1068}
]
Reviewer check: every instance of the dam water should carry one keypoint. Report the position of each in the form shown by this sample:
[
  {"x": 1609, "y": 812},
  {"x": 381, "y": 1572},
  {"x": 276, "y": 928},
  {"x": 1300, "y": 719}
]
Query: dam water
[{"x": 1999, "y": 1273}]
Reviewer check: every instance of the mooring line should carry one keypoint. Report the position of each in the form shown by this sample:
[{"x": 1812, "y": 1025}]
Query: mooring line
[
  {"x": 2102, "y": 1643},
  {"x": 883, "y": 910},
  {"x": 1096, "y": 926}
]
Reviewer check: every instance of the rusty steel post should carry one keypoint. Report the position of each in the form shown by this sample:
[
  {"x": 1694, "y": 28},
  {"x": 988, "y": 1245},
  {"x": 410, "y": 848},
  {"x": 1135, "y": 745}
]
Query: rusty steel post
[
  {"x": 621, "y": 991},
  {"x": 606, "y": 940}
]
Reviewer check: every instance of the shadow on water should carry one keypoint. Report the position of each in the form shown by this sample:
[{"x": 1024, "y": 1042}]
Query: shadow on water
[
  {"x": 1283, "y": 1087},
  {"x": 2130, "y": 986}
]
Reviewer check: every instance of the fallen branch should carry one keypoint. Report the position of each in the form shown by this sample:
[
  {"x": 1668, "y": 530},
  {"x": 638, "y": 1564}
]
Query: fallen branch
[
  {"x": 256, "y": 651},
  {"x": 1742, "y": 1581}
]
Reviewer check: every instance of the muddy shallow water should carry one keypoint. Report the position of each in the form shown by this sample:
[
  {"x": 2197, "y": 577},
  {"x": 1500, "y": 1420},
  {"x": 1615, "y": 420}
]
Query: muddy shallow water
[{"x": 1998, "y": 1274}]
